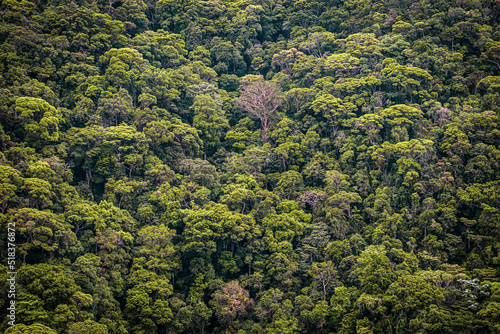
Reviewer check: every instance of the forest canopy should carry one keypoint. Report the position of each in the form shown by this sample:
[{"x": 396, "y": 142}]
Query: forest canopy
[{"x": 250, "y": 166}]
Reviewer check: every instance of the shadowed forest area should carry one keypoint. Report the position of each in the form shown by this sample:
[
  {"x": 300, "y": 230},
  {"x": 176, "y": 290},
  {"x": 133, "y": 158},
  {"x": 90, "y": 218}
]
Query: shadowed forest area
[{"x": 250, "y": 166}]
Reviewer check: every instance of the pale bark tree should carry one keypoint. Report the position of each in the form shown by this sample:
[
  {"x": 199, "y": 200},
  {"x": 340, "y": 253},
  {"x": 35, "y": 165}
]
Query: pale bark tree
[{"x": 260, "y": 100}]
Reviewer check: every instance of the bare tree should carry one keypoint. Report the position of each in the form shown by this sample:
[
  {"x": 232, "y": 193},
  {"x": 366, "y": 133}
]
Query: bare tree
[
  {"x": 312, "y": 198},
  {"x": 260, "y": 100}
]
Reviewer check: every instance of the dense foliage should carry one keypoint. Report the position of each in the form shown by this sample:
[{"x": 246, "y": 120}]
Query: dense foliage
[{"x": 256, "y": 166}]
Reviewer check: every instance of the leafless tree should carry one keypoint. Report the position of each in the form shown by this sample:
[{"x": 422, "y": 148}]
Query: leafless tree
[
  {"x": 260, "y": 99},
  {"x": 312, "y": 198}
]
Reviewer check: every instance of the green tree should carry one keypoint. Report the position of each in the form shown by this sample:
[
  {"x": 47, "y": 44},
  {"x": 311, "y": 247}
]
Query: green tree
[
  {"x": 375, "y": 271},
  {"x": 406, "y": 78},
  {"x": 40, "y": 120},
  {"x": 342, "y": 64},
  {"x": 210, "y": 120},
  {"x": 173, "y": 140},
  {"x": 131, "y": 12},
  {"x": 333, "y": 109},
  {"x": 88, "y": 326},
  {"x": 226, "y": 57},
  {"x": 216, "y": 228},
  {"x": 285, "y": 60},
  {"x": 10, "y": 184},
  {"x": 114, "y": 110},
  {"x": 155, "y": 251},
  {"x": 45, "y": 230},
  {"x": 146, "y": 302},
  {"x": 281, "y": 230},
  {"x": 412, "y": 295},
  {"x": 398, "y": 118},
  {"x": 35, "y": 328}
]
